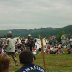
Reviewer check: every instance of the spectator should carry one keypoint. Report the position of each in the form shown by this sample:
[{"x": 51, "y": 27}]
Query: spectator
[
  {"x": 23, "y": 44},
  {"x": 27, "y": 60},
  {"x": 1, "y": 46},
  {"x": 4, "y": 63}
]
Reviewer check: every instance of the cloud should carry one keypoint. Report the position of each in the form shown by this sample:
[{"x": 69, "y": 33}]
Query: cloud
[{"x": 35, "y": 13}]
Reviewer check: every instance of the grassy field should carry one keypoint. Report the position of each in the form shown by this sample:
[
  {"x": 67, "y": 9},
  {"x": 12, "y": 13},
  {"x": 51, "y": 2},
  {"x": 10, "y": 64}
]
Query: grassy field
[{"x": 54, "y": 63}]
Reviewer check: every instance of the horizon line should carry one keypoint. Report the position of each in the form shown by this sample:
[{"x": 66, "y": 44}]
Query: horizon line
[{"x": 35, "y": 28}]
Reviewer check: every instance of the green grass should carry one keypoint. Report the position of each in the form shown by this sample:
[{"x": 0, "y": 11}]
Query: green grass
[{"x": 54, "y": 62}]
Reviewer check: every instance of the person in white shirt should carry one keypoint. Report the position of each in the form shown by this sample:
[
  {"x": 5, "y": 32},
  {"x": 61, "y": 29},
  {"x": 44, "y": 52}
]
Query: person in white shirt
[{"x": 10, "y": 47}]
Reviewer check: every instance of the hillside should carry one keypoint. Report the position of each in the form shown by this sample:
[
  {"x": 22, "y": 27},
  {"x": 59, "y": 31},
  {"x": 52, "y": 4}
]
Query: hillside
[{"x": 37, "y": 32}]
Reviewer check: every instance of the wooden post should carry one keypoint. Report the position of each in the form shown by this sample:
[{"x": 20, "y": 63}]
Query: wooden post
[{"x": 43, "y": 54}]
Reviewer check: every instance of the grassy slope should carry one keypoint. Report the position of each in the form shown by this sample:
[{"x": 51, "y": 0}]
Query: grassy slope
[{"x": 53, "y": 62}]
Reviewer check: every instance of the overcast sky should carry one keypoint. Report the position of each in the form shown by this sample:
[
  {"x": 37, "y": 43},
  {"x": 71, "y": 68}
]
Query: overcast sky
[{"x": 28, "y": 14}]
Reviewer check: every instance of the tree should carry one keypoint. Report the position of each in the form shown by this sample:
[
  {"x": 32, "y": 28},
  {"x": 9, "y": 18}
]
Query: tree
[{"x": 58, "y": 36}]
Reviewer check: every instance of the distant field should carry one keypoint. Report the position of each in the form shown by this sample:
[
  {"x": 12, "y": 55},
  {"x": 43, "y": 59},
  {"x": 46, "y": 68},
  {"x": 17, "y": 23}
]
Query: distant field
[{"x": 54, "y": 63}]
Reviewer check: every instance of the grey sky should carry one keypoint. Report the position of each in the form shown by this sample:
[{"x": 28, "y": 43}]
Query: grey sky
[{"x": 27, "y": 14}]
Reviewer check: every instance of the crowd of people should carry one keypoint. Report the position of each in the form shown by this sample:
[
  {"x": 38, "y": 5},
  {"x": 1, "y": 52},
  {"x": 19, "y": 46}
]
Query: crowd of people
[
  {"x": 50, "y": 45},
  {"x": 26, "y": 57},
  {"x": 25, "y": 47},
  {"x": 55, "y": 47}
]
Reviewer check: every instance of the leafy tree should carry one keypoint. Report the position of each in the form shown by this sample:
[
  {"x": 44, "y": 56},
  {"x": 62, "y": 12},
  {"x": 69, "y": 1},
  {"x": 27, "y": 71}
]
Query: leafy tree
[{"x": 58, "y": 36}]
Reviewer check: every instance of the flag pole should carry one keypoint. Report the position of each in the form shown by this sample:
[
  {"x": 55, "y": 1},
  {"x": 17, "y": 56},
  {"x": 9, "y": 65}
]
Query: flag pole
[{"x": 43, "y": 54}]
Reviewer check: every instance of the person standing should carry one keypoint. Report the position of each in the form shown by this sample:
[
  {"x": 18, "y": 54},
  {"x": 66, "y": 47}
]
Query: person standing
[
  {"x": 23, "y": 44},
  {"x": 10, "y": 46},
  {"x": 30, "y": 44}
]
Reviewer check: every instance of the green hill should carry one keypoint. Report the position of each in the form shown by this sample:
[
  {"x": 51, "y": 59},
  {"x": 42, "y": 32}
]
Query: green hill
[{"x": 36, "y": 32}]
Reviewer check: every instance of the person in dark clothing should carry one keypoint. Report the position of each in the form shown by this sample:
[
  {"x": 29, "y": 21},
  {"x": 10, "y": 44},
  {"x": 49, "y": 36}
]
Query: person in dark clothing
[
  {"x": 30, "y": 43},
  {"x": 23, "y": 44},
  {"x": 27, "y": 60}
]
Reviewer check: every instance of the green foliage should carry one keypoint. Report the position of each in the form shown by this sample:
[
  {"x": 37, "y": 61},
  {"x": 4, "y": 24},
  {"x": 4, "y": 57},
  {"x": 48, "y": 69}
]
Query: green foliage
[
  {"x": 45, "y": 32},
  {"x": 59, "y": 36}
]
